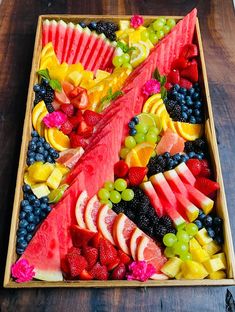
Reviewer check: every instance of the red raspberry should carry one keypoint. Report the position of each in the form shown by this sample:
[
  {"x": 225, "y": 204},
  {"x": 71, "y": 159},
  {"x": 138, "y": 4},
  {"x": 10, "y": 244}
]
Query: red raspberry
[
  {"x": 67, "y": 127},
  {"x": 68, "y": 109}
]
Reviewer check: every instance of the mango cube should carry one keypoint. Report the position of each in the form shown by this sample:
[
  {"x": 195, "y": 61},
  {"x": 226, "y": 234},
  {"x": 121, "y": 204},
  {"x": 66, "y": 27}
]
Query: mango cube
[
  {"x": 220, "y": 255},
  {"x": 179, "y": 276},
  {"x": 100, "y": 75},
  {"x": 202, "y": 237},
  {"x": 193, "y": 270},
  {"x": 63, "y": 169},
  {"x": 40, "y": 190},
  {"x": 27, "y": 179},
  {"x": 75, "y": 78},
  {"x": 123, "y": 24},
  {"x": 59, "y": 72},
  {"x": 172, "y": 267},
  {"x": 134, "y": 37},
  {"x": 211, "y": 248},
  {"x": 214, "y": 265},
  {"x": 78, "y": 67},
  {"x": 200, "y": 255},
  {"x": 54, "y": 179},
  {"x": 39, "y": 172},
  {"x": 193, "y": 244},
  {"x": 217, "y": 275}
]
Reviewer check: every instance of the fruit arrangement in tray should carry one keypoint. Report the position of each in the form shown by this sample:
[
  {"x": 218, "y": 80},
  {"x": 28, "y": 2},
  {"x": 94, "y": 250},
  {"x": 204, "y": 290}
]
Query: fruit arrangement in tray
[{"x": 118, "y": 183}]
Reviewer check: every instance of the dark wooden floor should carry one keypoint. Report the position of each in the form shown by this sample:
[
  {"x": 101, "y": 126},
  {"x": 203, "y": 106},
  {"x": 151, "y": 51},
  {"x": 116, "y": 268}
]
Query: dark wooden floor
[{"x": 17, "y": 30}]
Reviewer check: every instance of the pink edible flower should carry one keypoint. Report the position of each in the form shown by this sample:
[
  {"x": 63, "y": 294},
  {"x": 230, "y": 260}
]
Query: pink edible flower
[
  {"x": 55, "y": 119},
  {"x": 136, "y": 21},
  {"x": 22, "y": 271},
  {"x": 151, "y": 86},
  {"x": 140, "y": 271}
]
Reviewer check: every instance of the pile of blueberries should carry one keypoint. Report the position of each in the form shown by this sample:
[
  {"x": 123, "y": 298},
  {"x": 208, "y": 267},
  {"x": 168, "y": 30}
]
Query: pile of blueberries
[
  {"x": 213, "y": 225},
  {"x": 32, "y": 212},
  {"x": 40, "y": 150},
  {"x": 43, "y": 92},
  {"x": 185, "y": 105},
  {"x": 102, "y": 27}
]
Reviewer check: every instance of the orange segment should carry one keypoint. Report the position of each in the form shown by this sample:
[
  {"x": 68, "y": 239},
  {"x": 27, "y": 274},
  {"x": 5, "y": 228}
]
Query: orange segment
[
  {"x": 153, "y": 100},
  {"x": 58, "y": 139},
  {"x": 139, "y": 156},
  {"x": 40, "y": 124},
  {"x": 38, "y": 109},
  {"x": 189, "y": 131}
]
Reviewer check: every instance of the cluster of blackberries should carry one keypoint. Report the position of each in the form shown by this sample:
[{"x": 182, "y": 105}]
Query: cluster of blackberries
[
  {"x": 43, "y": 92},
  {"x": 32, "y": 212},
  {"x": 197, "y": 146},
  {"x": 140, "y": 211},
  {"x": 102, "y": 27}
]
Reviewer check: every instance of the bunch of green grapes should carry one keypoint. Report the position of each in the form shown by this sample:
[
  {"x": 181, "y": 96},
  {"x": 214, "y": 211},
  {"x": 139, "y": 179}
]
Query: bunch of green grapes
[
  {"x": 122, "y": 61},
  {"x": 177, "y": 245}
]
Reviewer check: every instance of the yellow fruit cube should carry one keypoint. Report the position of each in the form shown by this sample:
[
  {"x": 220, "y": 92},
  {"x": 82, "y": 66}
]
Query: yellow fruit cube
[
  {"x": 193, "y": 270},
  {"x": 134, "y": 37},
  {"x": 124, "y": 24},
  {"x": 47, "y": 50},
  {"x": 54, "y": 179},
  {"x": 63, "y": 169},
  {"x": 75, "y": 67},
  {"x": 214, "y": 265},
  {"x": 87, "y": 75},
  {"x": 172, "y": 267},
  {"x": 179, "y": 276},
  {"x": 74, "y": 77},
  {"x": 119, "y": 33},
  {"x": 202, "y": 237},
  {"x": 27, "y": 179},
  {"x": 39, "y": 172},
  {"x": 212, "y": 248},
  {"x": 100, "y": 75},
  {"x": 200, "y": 255},
  {"x": 49, "y": 62},
  {"x": 221, "y": 256},
  {"x": 217, "y": 275},
  {"x": 40, "y": 190},
  {"x": 59, "y": 72},
  {"x": 193, "y": 244}
]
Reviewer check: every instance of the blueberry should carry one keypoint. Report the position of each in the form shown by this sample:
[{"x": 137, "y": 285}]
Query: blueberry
[
  {"x": 176, "y": 87},
  {"x": 198, "y": 224},
  {"x": 21, "y": 232},
  {"x": 31, "y": 154},
  {"x": 219, "y": 240},
  {"x": 32, "y": 198},
  {"x": 195, "y": 96},
  {"x": 208, "y": 221},
  {"x": 42, "y": 140},
  {"x": 30, "y": 217},
  {"x": 201, "y": 215},
  {"x": 23, "y": 244},
  {"x": 191, "y": 154},
  {"x": 82, "y": 24},
  {"x": 174, "y": 163},
  {"x": 183, "y": 158},
  {"x": 43, "y": 206},
  {"x": 27, "y": 208},
  {"x": 22, "y": 215},
  {"x": 186, "y": 157},
  {"x": 26, "y": 195},
  {"x": 45, "y": 154},
  {"x": 30, "y": 161},
  {"x": 23, "y": 223},
  {"x": 44, "y": 199},
  {"x": 30, "y": 227},
  {"x": 43, "y": 215},
  {"x": 200, "y": 157},
  {"x": 36, "y": 203},
  {"x": 37, "y": 220},
  {"x": 39, "y": 157},
  {"x": 24, "y": 203},
  {"x": 46, "y": 145},
  {"x": 49, "y": 159},
  {"x": 55, "y": 155},
  {"x": 218, "y": 230},
  {"x": 183, "y": 90},
  {"x": 20, "y": 239},
  {"x": 189, "y": 102},
  {"x": 92, "y": 25},
  {"x": 34, "y": 133},
  {"x": 42, "y": 90},
  {"x": 191, "y": 91},
  {"x": 190, "y": 111},
  {"x": 196, "y": 112},
  {"x": 19, "y": 251},
  {"x": 40, "y": 149},
  {"x": 131, "y": 125},
  {"x": 167, "y": 155},
  {"x": 192, "y": 119},
  {"x": 35, "y": 140},
  {"x": 48, "y": 209},
  {"x": 29, "y": 237},
  {"x": 132, "y": 131},
  {"x": 199, "y": 120},
  {"x": 26, "y": 188},
  {"x": 37, "y": 212},
  {"x": 51, "y": 150},
  {"x": 176, "y": 157},
  {"x": 36, "y": 88},
  {"x": 184, "y": 108},
  {"x": 184, "y": 115},
  {"x": 170, "y": 162},
  {"x": 197, "y": 104},
  {"x": 217, "y": 221},
  {"x": 178, "y": 97},
  {"x": 39, "y": 144},
  {"x": 45, "y": 82},
  {"x": 135, "y": 119},
  {"x": 211, "y": 232},
  {"x": 32, "y": 146}
]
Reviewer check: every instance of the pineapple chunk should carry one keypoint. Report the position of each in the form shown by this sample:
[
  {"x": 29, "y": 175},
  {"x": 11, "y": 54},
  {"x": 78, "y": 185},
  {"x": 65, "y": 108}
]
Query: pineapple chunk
[
  {"x": 202, "y": 237},
  {"x": 193, "y": 244},
  {"x": 63, "y": 169},
  {"x": 27, "y": 179},
  {"x": 172, "y": 267},
  {"x": 40, "y": 190},
  {"x": 123, "y": 24},
  {"x": 193, "y": 270},
  {"x": 200, "y": 255},
  {"x": 134, "y": 37},
  {"x": 221, "y": 255},
  {"x": 212, "y": 248},
  {"x": 75, "y": 78},
  {"x": 214, "y": 265},
  {"x": 75, "y": 67},
  {"x": 217, "y": 275},
  {"x": 59, "y": 72},
  {"x": 101, "y": 74},
  {"x": 54, "y": 179},
  {"x": 39, "y": 172},
  {"x": 179, "y": 276}
]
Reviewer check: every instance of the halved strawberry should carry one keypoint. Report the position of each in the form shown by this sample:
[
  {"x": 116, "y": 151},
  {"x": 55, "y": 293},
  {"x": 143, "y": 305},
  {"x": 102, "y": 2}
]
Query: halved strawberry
[
  {"x": 113, "y": 264},
  {"x": 67, "y": 87},
  {"x": 206, "y": 186},
  {"x": 99, "y": 272},
  {"x": 173, "y": 77},
  {"x": 108, "y": 253},
  {"x": 185, "y": 83},
  {"x": 191, "y": 72},
  {"x": 84, "y": 129},
  {"x": 121, "y": 169},
  {"x": 189, "y": 51},
  {"x": 205, "y": 170},
  {"x": 68, "y": 109},
  {"x": 81, "y": 100},
  {"x": 91, "y": 118},
  {"x": 136, "y": 175},
  {"x": 80, "y": 237},
  {"x": 91, "y": 255},
  {"x": 85, "y": 276},
  {"x": 179, "y": 63},
  {"x": 119, "y": 272},
  {"x": 77, "y": 140},
  {"x": 124, "y": 258},
  {"x": 95, "y": 242},
  {"x": 61, "y": 97},
  {"x": 76, "y": 263}
]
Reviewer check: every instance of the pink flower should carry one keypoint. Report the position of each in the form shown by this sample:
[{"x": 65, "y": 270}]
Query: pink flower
[
  {"x": 136, "y": 21},
  {"x": 55, "y": 119},
  {"x": 22, "y": 271},
  {"x": 140, "y": 271},
  {"x": 151, "y": 86}
]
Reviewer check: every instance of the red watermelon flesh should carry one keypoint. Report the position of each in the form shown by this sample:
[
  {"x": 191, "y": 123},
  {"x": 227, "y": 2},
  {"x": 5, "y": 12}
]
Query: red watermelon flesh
[
  {"x": 91, "y": 47},
  {"x": 102, "y": 57},
  {"x": 67, "y": 39},
  {"x": 52, "y": 32},
  {"x": 45, "y": 32},
  {"x": 99, "y": 45},
  {"x": 108, "y": 59},
  {"x": 59, "y": 41},
  {"x": 82, "y": 45},
  {"x": 77, "y": 36}
]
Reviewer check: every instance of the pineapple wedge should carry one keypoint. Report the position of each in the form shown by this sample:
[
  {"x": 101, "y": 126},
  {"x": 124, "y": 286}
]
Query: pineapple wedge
[
  {"x": 211, "y": 248},
  {"x": 202, "y": 237},
  {"x": 217, "y": 275},
  {"x": 40, "y": 190},
  {"x": 193, "y": 270},
  {"x": 172, "y": 267},
  {"x": 39, "y": 172},
  {"x": 54, "y": 179},
  {"x": 220, "y": 255},
  {"x": 214, "y": 265}
]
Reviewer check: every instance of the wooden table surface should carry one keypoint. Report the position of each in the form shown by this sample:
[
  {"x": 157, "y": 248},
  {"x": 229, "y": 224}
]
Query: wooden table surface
[{"x": 17, "y": 30}]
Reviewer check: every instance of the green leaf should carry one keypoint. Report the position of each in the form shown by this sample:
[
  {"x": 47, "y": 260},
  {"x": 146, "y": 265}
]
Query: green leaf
[
  {"x": 55, "y": 84},
  {"x": 163, "y": 93},
  {"x": 162, "y": 80},
  {"x": 157, "y": 75},
  {"x": 111, "y": 96},
  {"x": 44, "y": 73},
  {"x": 116, "y": 94}
]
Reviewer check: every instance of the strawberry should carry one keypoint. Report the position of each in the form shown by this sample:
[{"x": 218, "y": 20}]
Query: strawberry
[
  {"x": 95, "y": 242},
  {"x": 85, "y": 276},
  {"x": 120, "y": 169},
  {"x": 77, "y": 264},
  {"x": 184, "y": 83},
  {"x": 136, "y": 175},
  {"x": 68, "y": 109},
  {"x": 91, "y": 255},
  {"x": 206, "y": 186},
  {"x": 64, "y": 266},
  {"x": 124, "y": 258},
  {"x": 179, "y": 63},
  {"x": 74, "y": 93},
  {"x": 113, "y": 264},
  {"x": 81, "y": 101},
  {"x": 80, "y": 237},
  {"x": 119, "y": 272},
  {"x": 77, "y": 140},
  {"x": 191, "y": 72},
  {"x": 61, "y": 97},
  {"x": 189, "y": 51},
  {"x": 84, "y": 130},
  {"x": 205, "y": 171},
  {"x": 75, "y": 250},
  {"x": 168, "y": 86},
  {"x": 75, "y": 120},
  {"x": 91, "y": 118},
  {"x": 67, "y": 127},
  {"x": 173, "y": 77},
  {"x": 194, "y": 166},
  {"x": 108, "y": 253},
  {"x": 67, "y": 87},
  {"x": 99, "y": 272}
]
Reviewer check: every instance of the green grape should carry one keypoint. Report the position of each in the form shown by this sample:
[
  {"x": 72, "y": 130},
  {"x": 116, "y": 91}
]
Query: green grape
[
  {"x": 144, "y": 35},
  {"x": 103, "y": 194},
  {"x": 153, "y": 38},
  {"x": 169, "y": 252},
  {"x": 120, "y": 185},
  {"x": 158, "y": 24},
  {"x": 117, "y": 61},
  {"x": 108, "y": 185},
  {"x": 160, "y": 34},
  {"x": 142, "y": 128},
  {"x": 127, "y": 194},
  {"x": 163, "y": 19},
  {"x": 186, "y": 256},
  {"x": 115, "y": 197},
  {"x": 153, "y": 130},
  {"x": 127, "y": 65},
  {"x": 191, "y": 229},
  {"x": 123, "y": 152},
  {"x": 150, "y": 30},
  {"x": 180, "y": 248},
  {"x": 170, "y": 22},
  {"x": 169, "y": 239},
  {"x": 130, "y": 142},
  {"x": 151, "y": 137},
  {"x": 182, "y": 236},
  {"x": 106, "y": 202},
  {"x": 125, "y": 58},
  {"x": 166, "y": 29},
  {"x": 139, "y": 138}
]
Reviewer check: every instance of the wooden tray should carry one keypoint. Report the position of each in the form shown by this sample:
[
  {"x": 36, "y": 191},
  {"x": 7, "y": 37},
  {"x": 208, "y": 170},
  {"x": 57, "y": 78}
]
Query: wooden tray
[{"x": 210, "y": 135}]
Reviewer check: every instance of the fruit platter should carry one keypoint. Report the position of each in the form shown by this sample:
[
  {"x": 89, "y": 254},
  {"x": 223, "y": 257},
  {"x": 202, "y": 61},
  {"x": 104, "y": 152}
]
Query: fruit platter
[{"x": 119, "y": 181}]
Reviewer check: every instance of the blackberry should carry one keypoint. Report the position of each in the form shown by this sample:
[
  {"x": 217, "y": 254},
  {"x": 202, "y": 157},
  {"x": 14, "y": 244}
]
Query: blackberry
[
  {"x": 188, "y": 147},
  {"x": 200, "y": 145},
  {"x": 166, "y": 221},
  {"x": 101, "y": 27},
  {"x": 172, "y": 230},
  {"x": 176, "y": 112},
  {"x": 112, "y": 26},
  {"x": 150, "y": 231},
  {"x": 151, "y": 212},
  {"x": 161, "y": 161},
  {"x": 138, "y": 192},
  {"x": 134, "y": 203},
  {"x": 112, "y": 37},
  {"x": 160, "y": 231},
  {"x": 49, "y": 96},
  {"x": 50, "y": 108},
  {"x": 154, "y": 167},
  {"x": 170, "y": 104},
  {"x": 120, "y": 207},
  {"x": 143, "y": 221},
  {"x": 38, "y": 98},
  {"x": 130, "y": 214}
]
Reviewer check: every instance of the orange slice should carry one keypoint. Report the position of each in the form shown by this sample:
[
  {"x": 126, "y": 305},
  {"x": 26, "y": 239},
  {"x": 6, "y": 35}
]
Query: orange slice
[
  {"x": 39, "y": 124},
  {"x": 171, "y": 125},
  {"x": 153, "y": 100},
  {"x": 105, "y": 220},
  {"x": 38, "y": 109},
  {"x": 165, "y": 118},
  {"x": 139, "y": 156},
  {"x": 189, "y": 132},
  {"x": 58, "y": 139}
]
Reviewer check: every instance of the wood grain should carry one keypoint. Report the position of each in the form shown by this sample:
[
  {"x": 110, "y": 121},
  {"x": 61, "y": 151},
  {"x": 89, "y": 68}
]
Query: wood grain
[{"x": 17, "y": 31}]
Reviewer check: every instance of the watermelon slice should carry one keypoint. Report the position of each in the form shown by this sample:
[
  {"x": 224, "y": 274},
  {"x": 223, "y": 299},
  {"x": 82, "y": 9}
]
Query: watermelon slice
[
  {"x": 94, "y": 55},
  {"x": 89, "y": 46},
  {"x": 52, "y": 32},
  {"x": 163, "y": 188},
  {"x": 70, "y": 156},
  {"x": 59, "y": 41},
  {"x": 82, "y": 45},
  {"x": 75, "y": 40},
  {"x": 185, "y": 174},
  {"x": 67, "y": 40},
  {"x": 175, "y": 182},
  {"x": 153, "y": 197},
  {"x": 45, "y": 32}
]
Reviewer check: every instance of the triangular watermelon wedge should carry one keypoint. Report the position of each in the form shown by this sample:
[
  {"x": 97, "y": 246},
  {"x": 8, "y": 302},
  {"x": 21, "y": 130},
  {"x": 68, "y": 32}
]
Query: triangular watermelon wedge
[
  {"x": 45, "y": 32},
  {"x": 67, "y": 40},
  {"x": 59, "y": 41}
]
